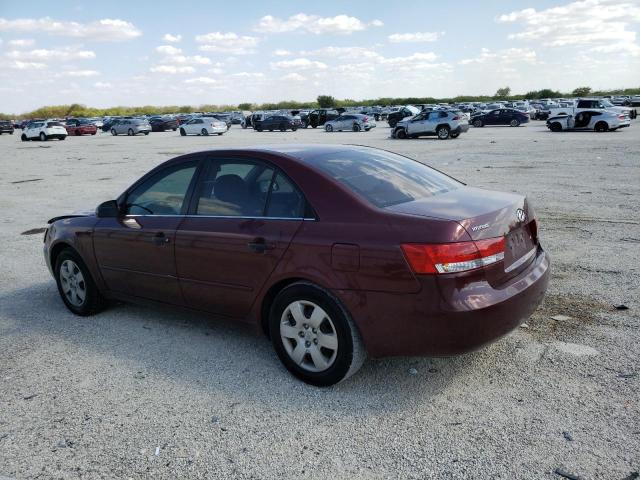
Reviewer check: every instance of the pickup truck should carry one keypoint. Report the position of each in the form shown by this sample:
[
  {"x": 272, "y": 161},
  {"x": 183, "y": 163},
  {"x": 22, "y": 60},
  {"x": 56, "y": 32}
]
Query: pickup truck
[{"x": 591, "y": 104}]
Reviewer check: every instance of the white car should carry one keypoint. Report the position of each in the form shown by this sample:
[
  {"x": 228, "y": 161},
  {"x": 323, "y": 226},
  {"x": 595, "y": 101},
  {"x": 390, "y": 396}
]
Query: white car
[
  {"x": 45, "y": 130},
  {"x": 203, "y": 126},
  {"x": 597, "y": 120}
]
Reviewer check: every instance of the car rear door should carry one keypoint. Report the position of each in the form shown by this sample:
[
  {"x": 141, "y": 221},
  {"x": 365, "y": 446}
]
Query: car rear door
[
  {"x": 243, "y": 216},
  {"x": 136, "y": 251}
]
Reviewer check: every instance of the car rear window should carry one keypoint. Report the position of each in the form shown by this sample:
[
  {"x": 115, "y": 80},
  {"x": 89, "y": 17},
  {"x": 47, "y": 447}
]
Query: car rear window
[
  {"x": 384, "y": 178},
  {"x": 54, "y": 124}
]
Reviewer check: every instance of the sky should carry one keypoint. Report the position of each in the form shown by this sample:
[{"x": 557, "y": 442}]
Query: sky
[{"x": 191, "y": 53}]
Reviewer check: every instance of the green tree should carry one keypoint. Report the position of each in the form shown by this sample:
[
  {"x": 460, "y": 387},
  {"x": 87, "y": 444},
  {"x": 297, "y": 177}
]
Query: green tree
[
  {"x": 503, "y": 92},
  {"x": 326, "y": 101},
  {"x": 245, "y": 106},
  {"x": 581, "y": 91}
]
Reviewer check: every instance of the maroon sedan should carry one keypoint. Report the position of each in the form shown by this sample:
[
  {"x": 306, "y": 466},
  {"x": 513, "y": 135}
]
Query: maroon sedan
[
  {"x": 81, "y": 126},
  {"x": 336, "y": 252}
]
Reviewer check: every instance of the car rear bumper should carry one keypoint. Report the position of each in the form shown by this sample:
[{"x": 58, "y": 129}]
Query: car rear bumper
[{"x": 448, "y": 316}]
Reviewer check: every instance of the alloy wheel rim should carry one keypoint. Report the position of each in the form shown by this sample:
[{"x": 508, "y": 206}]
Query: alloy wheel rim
[
  {"x": 73, "y": 284},
  {"x": 309, "y": 336}
]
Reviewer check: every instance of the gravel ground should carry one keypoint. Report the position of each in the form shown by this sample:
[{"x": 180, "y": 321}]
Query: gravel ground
[{"x": 153, "y": 393}]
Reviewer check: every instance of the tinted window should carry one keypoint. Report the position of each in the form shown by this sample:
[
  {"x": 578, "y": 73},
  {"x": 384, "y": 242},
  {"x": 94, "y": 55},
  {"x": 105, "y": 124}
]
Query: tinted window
[
  {"x": 285, "y": 201},
  {"x": 235, "y": 188},
  {"x": 162, "y": 194},
  {"x": 54, "y": 124},
  {"x": 384, "y": 178}
]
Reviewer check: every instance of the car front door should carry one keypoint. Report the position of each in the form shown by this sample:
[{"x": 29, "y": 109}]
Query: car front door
[
  {"x": 34, "y": 130},
  {"x": 136, "y": 251},
  {"x": 243, "y": 217},
  {"x": 492, "y": 118},
  {"x": 417, "y": 125}
]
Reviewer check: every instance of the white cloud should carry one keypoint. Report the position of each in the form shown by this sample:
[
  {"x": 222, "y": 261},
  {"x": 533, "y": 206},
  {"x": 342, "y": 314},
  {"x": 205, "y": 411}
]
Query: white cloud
[
  {"x": 168, "y": 50},
  {"x": 21, "y": 42},
  {"x": 342, "y": 24},
  {"x": 415, "y": 59},
  {"x": 598, "y": 23},
  {"x": 509, "y": 55},
  {"x": 253, "y": 75},
  {"x": 201, "y": 80},
  {"x": 79, "y": 73},
  {"x": 171, "y": 69},
  {"x": 299, "y": 63},
  {"x": 282, "y": 53},
  {"x": 415, "y": 37},
  {"x": 294, "y": 77},
  {"x": 103, "y": 85},
  {"x": 19, "y": 65},
  {"x": 344, "y": 53},
  {"x": 377, "y": 23},
  {"x": 227, "y": 43},
  {"x": 172, "y": 38},
  {"x": 56, "y": 54},
  {"x": 106, "y": 30}
]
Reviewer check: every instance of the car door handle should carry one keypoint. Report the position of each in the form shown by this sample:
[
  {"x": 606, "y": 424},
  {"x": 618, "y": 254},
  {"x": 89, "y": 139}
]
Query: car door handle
[
  {"x": 260, "y": 245},
  {"x": 160, "y": 239}
]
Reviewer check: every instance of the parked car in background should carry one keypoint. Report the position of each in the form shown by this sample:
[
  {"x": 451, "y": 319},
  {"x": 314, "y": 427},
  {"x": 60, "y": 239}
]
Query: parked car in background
[
  {"x": 80, "y": 126},
  {"x": 591, "y": 104},
  {"x": 45, "y": 130},
  {"x": 408, "y": 111},
  {"x": 162, "y": 124},
  {"x": 596, "y": 120},
  {"x": 277, "y": 122},
  {"x": 320, "y": 116},
  {"x": 132, "y": 126},
  {"x": 354, "y": 122},
  {"x": 223, "y": 117},
  {"x": 203, "y": 126},
  {"x": 98, "y": 122},
  {"x": 6, "y": 126},
  {"x": 440, "y": 123},
  {"x": 500, "y": 116}
]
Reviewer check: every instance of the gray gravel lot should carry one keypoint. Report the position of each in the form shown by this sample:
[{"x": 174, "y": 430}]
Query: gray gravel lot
[{"x": 153, "y": 393}]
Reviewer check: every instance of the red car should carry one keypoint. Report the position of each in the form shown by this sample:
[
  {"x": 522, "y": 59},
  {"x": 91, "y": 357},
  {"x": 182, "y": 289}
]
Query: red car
[
  {"x": 77, "y": 126},
  {"x": 336, "y": 252}
]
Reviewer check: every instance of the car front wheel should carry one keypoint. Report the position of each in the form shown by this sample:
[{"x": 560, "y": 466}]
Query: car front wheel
[
  {"x": 601, "y": 127},
  {"x": 328, "y": 128},
  {"x": 514, "y": 123},
  {"x": 43, "y": 137},
  {"x": 76, "y": 286},
  {"x": 314, "y": 335},
  {"x": 477, "y": 123}
]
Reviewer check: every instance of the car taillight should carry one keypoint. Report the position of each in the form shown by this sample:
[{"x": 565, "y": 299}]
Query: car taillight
[
  {"x": 621, "y": 117},
  {"x": 365, "y": 119},
  {"x": 453, "y": 257},
  {"x": 456, "y": 118}
]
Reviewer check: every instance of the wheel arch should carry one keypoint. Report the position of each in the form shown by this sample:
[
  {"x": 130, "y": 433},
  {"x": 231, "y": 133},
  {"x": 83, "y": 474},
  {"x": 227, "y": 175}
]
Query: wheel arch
[
  {"x": 270, "y": 296},
  {"x": 57, "y": 249}
]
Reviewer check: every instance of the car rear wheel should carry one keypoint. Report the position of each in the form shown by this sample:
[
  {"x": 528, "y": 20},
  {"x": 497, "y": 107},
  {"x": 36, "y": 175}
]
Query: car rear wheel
[
  {"x": 43, "y": 137},
  {"x": 514, "y": 123},
  {"x": 328, "y": 128},
  {"x": 478, "y": 123},
  {"x": 601, "y": 127},
  {"x": 443, "y": 132},
  {"x": 113, "y": 132},
  {"x": 130, "y": 132},
  {"x": 555, "y": 127},
  {"x": 356, "y": 127},
  {"x": 182, "y": 132},
  {"x": 314, "y": 336},
  {"x": 76, "y": 286},
  {"x": 204, "y": 132}
]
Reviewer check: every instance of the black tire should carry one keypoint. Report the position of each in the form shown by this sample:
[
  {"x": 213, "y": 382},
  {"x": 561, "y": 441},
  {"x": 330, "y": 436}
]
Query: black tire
[
  {"x": 146, "y": 133},
  {"x": 283, "y": 127},
  {"x": 93, "y": 302},
  {"x": 78, "y": 133},
  {"x": 401, "y": 134},
  {"x": 204, "y": 132},
  {"x": 113, "y": 132},
  {"x": 443, "y": 132},
  {"x": 350, "y": 353},
  {"x": 393, "y": 124},
  {"x": 174, "y": 129},
  {"x": 24, "y": 138},
  {"x": 555, "y": 127},
  {"x": 183, "y": 133},
  {"x": 294, "y": 128},
  {"x": 514, "y": 123},
  {"x": 220, "y": 134},
  {"x": 314, "y": 126},
  {"x": 478, "y": 123},
  {"x": 328, "y": 128},
  {"x": 601, "y": 127},
  {"x": 454, "y": 134},
  {"x": 130, "y": 132},
  {"x": 259, "y": 129},
  {"x": 43, "y": 137},
  {"x": 356, "y": 127}
]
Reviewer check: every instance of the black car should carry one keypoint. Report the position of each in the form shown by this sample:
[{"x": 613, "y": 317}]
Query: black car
[
  {"x": 394, "y": 117},
  {"x": 276, "y": 122},
  {"x": 500, "y": 116},
  {"x": 162, "y": 124},
  {"x": 6, "y": 126},
  {"x": 320, "y": 116}
]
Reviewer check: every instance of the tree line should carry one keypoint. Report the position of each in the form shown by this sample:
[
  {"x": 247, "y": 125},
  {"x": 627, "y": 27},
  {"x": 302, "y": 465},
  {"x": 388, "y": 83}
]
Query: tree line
[{"x": 322, "y": 101}]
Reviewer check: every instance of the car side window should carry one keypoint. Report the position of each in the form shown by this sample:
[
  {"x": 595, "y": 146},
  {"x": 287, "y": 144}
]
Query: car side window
[
  {"x": 285, "y": 200},
  {"x": 164, "y": 193},
  {"x": 443, "y": 114},
  {"x": 234, "y": 188}
]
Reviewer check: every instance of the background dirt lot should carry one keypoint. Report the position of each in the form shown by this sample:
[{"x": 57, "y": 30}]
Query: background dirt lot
[{"x": 154, "y": 393}]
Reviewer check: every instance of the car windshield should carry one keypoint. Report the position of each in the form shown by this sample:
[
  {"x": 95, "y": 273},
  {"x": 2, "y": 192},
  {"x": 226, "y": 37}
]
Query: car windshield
[{"x": 384, "y": 178}]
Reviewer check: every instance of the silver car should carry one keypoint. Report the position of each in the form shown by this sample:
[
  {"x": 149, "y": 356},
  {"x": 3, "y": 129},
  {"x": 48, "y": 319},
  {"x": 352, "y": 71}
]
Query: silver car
[
  {"x": 440, "y": 123},
  {"x": 355, "y": 122},
  {"x": 131, "y": 126},
  {"x": 597, "y": 120}
]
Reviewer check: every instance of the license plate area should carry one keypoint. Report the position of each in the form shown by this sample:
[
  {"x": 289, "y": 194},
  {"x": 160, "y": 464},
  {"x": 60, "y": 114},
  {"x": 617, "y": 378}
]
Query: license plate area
[{"x": 518, "y": 243}]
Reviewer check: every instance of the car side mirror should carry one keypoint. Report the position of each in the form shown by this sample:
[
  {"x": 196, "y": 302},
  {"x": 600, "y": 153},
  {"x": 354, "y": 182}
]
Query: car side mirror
[{"x": 108, "y": 209}]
